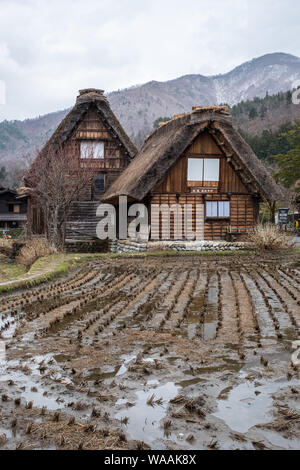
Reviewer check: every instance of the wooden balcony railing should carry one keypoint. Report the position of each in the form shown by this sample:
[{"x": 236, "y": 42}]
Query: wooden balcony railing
[{"x": 103, "y": 163}]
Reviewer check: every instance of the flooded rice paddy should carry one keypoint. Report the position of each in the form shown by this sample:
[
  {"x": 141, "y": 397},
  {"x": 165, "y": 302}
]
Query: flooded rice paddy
[{"x": 170, "y": 353}]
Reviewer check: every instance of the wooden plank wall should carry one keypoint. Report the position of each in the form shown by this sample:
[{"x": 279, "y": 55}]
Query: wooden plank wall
[
  {"x": 243, "y": 212},
  {"x": 230, "y": 180},
  {"x": 93, "y": 127},
  {"x": 197, "y": 217},
  {"x": 174, "y": 189},
  {"x": 204, "y": 146},
  {"x": 216, "y": 229},
  {"x": 175, "y": 181},
  {"x": 36, "y": 220},
  {"x": 82, "y": 218}
]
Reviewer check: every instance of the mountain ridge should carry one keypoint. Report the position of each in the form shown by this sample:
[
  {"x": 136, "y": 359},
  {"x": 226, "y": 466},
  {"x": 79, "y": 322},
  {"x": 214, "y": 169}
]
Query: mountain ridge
[{"x": 139, "y": 106}]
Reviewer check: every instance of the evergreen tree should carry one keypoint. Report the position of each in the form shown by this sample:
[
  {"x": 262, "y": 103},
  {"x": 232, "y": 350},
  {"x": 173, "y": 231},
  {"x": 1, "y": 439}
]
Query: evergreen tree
[
  {"x": 269, "y": 143},
  {"x": 253, "y": 113},
  {"x": 289, "y": 162}
]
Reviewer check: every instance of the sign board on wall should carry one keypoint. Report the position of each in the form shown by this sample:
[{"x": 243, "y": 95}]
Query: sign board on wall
[{"x": 283, "y": 215}]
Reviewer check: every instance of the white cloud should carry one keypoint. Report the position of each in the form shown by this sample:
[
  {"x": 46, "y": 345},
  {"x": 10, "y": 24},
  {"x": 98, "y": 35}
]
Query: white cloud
[{"x": 48, "y": 50}]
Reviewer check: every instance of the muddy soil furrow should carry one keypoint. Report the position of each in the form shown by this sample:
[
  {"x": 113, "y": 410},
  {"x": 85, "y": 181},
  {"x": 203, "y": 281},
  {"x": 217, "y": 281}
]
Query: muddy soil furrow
[
  {"x": 229, "y": 328},
  {"x": 49, "y": 291},
  {"x": 152, "y": 306},
  {"x": 276, "y": 307},
  {"x": 58, "y": 319},
  {"x": 194, "y": 310},
  {"x": 247, "y": 320},
  {"x": 165, "y": 308},
  {"x": 178, "y": 315},
  {"x": 152, "y": 353},
  {"x": 291, "y": 287},
  {"x": 264, "y": 322},
  {"x": 213, "y": 314},
  {"x": 291, "y": 306},
  {"x": 117, "y": 313},
  {"x": 291, "y": 278},
  {"x": 240, "y": 329}
]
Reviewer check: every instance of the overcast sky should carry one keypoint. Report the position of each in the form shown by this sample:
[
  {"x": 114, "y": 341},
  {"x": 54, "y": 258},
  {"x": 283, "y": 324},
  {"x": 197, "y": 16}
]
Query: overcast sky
[{"x": 49, "y": 49}]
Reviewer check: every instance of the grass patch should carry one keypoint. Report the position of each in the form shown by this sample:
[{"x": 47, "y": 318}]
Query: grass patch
[
  {"x": 10, "y": 271},
  {"x": 45, "y": 269},
  {"x": 290, "y": 251}
]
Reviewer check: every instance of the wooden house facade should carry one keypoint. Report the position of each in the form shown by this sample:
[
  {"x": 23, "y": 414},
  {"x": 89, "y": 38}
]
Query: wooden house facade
[
  {"x": 13, "y": 211},
  {"x": 98, "y": 144},
  {"x": 199, "y": 161}
]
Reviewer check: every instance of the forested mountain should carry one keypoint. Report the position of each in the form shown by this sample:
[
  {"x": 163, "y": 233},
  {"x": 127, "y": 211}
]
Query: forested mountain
[{"x": 258, "y": 92}]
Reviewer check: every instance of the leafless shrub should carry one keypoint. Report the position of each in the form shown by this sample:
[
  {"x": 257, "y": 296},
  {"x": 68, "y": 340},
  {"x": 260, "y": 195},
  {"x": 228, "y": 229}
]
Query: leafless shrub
[
  {"x": 34, "y": 249},
  {"x": 268, "y": 238},
  {"x": 5, "y": 246}
]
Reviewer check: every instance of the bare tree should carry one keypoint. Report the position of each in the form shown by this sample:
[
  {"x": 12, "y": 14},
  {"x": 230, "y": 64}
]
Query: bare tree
[
  {"x": 272, "y": 207},
  {"x": 56, "y": 180},
  {"x": 12, "y": 173}
]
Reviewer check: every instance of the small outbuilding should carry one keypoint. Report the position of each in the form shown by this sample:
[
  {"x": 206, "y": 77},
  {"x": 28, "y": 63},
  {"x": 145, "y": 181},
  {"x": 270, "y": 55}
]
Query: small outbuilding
[{"x": 13, "y": 211}]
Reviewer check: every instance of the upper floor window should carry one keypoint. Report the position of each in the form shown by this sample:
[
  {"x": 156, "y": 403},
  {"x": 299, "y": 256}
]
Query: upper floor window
[
  {"x": 203, "y": 169},
  {"x": 91, "y": 149}
]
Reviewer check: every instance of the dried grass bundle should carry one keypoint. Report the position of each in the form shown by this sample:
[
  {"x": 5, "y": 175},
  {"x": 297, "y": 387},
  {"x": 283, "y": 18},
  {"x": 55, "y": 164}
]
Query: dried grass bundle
[
  {"x": 269, "y": 238},
  {"x": 33, "y": 250}
]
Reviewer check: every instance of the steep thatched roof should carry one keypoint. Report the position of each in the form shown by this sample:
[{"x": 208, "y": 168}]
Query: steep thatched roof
[
  {"x": 88, "y": 97},
  {"x": 165, "y": 145}
]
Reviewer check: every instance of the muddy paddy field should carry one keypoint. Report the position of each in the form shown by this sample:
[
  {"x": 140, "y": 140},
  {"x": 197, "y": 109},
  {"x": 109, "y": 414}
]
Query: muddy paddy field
[{"x": 160, "y": 353}]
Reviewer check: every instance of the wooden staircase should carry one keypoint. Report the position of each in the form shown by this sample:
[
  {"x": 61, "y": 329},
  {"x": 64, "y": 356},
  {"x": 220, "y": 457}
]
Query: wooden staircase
[{"x": 82, "y": 221}]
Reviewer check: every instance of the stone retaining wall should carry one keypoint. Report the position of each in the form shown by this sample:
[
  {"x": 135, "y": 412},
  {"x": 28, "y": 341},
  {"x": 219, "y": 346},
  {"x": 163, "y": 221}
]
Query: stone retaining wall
[
  {"x": 132, "y": 246},
  {"x": 127, "y": 246}
]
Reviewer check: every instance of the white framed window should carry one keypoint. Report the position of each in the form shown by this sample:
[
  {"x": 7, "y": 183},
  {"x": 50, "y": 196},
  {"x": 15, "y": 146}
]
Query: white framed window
[
  {"x": 218, "y": 209},
  {"x": 203, "y": 169},
  {"x": 91, "y": 149}
]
